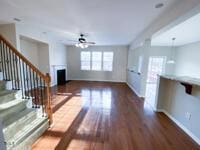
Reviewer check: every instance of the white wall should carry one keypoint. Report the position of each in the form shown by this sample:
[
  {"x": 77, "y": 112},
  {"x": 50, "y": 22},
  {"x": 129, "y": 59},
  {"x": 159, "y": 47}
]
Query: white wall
[
  {"x": 188, "y": 60},
  {"x": 57, "y": 51},
  {"x": 37, "y": 53},
  {"x": 173, "y": 99},
  {"x": 119, "y": 64},
  {"x": 145, "y": 52},
  {"x": 9, "y": 32},
  {"x": 30, "y": 51},
  {"x": 180, "y": 11},
  {"x": 43, "y": 57}
]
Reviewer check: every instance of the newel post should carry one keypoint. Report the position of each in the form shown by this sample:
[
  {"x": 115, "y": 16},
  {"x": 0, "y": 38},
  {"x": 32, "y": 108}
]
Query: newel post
[{"x": 49, "y": 108}]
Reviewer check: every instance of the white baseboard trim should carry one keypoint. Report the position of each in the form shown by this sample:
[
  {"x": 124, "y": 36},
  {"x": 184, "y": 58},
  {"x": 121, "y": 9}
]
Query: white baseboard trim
[
  {"x": 114, "y": 81},
  {"x": 186, "y": 130},
  {"x": 140, "y": 96}
]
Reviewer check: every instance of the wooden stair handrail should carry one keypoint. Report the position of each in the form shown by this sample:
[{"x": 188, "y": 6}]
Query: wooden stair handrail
[
  {"x": 46, "y": 77},
  {"x": 24, "y": 59}
]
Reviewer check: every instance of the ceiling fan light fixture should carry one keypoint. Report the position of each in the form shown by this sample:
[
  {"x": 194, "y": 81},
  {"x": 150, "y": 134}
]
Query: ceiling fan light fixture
[
  {"x": 83, "y": 43},
  {"x": 77, "y": 45}
]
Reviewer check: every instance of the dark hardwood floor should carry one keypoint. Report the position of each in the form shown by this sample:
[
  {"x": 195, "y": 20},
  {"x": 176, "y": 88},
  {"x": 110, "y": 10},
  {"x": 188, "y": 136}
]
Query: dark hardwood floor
[{"x": 108, "y": 116}]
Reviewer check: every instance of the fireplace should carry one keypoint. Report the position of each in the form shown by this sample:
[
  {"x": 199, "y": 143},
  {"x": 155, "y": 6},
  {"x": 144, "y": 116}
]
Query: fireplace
[{"x": 61, "y": 76}]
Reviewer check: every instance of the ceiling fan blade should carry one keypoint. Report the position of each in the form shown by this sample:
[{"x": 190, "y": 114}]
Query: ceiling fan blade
[
  {"x": 72, "y": 41},
  {"x": 92, "y": 43}
]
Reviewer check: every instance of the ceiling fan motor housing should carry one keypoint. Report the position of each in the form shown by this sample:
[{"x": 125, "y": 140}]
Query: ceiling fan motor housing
[{"x": 82, "y": 40}]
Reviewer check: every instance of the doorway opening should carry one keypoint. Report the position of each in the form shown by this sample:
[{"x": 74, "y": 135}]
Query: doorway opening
[{"x": 156, "y": 67}]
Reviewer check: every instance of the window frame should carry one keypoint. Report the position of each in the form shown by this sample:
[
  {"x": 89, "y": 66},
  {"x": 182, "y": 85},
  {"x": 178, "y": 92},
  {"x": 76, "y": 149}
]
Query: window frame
[
  {"x": 102, "y": 69},
  {"x": 85, "y": 61},
  {"x": 103, "y": 62}
]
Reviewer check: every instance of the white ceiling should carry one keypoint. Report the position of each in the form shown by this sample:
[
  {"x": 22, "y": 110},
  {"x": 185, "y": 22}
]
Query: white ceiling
[
  {"x": 185, "y": 33},
  {"x": 107, "y": 22}
]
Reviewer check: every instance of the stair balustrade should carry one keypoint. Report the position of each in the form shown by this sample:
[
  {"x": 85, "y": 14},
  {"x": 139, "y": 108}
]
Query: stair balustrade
[{"x": 24, "y": 76}]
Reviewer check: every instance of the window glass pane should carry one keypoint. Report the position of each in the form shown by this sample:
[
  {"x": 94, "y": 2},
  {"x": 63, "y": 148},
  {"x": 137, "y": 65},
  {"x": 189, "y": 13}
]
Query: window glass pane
[
  {"x": 85, "y": 65},
  {"x": 96, "y": 56},
  {"x": 108, "y": 56},
  {"x": 85, "y": 56},
  {"x": 96, "y": 60},
  {"x": 107, "y": 66},
  {"x": 107, "y": 61},
  {"x": 96, "y": 65},
  {"x": 85, "y": 60}
]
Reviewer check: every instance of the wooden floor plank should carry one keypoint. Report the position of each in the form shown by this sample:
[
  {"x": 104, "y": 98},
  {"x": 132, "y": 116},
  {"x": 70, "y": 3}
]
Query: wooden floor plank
[{"x": 108, "y": 116}]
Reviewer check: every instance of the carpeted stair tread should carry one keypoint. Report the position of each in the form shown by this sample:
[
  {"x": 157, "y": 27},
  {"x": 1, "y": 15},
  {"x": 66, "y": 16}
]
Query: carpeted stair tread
[{"x": 22, "y": 134}]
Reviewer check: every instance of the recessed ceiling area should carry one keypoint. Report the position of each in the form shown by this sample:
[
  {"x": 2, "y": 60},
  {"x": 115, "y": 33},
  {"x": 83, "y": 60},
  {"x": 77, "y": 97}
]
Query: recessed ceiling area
[
  {"x": 113, "y": 22},
  {"x": 185, "y": 33}
]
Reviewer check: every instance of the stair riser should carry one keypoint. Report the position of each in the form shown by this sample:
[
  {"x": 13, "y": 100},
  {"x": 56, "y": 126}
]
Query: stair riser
[
  {"x": 15, "y": 109},
  {"x": 10, "y": 97},
  {"x": 10, "y": 104},
  {"x": 2, "y": 86},
  {"x": 27, "y": 143},
  {"x": 29, "y": 137},
  {"x": 10, "y": 131},
  {"x": 5, "y": 85}
]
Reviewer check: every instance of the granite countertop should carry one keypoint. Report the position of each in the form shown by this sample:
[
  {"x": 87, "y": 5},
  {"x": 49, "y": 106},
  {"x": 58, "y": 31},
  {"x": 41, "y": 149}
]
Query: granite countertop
[{"x": 184, "y": 79}]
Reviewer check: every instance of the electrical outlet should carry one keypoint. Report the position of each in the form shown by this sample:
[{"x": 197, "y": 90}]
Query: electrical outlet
[{"x": 188, "y": 115}]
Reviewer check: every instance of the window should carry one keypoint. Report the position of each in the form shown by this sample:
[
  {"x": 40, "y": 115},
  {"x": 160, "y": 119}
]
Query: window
[
  {"x": 107, "y": 61},
  {"x": 85, "y": 60},
  {"x": 96, "y": 61},
  {"x": 140, "y": 64}
]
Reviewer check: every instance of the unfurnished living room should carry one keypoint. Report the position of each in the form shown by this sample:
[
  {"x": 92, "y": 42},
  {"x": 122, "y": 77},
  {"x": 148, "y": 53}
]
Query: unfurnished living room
[{"x": 100, "y": 75}]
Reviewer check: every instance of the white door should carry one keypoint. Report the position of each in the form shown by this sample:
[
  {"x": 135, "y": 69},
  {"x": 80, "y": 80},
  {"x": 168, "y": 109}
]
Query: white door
[{"x": 156, "y": 67}]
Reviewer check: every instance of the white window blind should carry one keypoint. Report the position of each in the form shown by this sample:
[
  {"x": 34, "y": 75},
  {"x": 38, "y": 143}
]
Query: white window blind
[
  {"x": 85, "y": 60},
  {"x": 96, "y": 61},
  {"x": 107, "y": 61}
]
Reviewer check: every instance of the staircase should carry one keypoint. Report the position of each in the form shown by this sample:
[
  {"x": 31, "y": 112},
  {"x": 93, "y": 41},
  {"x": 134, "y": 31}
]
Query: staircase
[{"x": 25, "y": 102}]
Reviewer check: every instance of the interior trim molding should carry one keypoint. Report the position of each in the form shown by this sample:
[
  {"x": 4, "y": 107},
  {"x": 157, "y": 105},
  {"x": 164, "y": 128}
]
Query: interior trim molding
[
  {"x": 133, "y": 89},
  {"x": 178, "y": 123},
  {"x": 114, "y": 81}
]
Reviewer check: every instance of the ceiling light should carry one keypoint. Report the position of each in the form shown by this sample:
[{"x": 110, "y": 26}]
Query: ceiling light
[
  {"x": 159, "y": 5},
  {"x": 82, "y": 45},
  {"x": 77, "y": 45},
  {"x": 17, "y": 19},
  {"x": 171, "y": 60}
]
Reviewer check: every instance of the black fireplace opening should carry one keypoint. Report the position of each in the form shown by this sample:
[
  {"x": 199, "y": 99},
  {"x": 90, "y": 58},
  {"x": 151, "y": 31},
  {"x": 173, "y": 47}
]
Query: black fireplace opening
[{"x": 61, "y": 76}]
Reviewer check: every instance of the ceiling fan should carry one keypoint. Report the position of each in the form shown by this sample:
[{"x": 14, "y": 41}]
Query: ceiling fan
[{"x": 83, "y": 43}]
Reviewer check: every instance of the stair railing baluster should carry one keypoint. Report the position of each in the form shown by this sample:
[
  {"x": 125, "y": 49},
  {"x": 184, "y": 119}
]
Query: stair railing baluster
[
  {"x": 21, "y": 81},
  {"x": 34, "y": 85},
  {"x": 44, "y": 97},
  {"x": 27, "y": 81},
  {"x": 14, "y": 72},
  {"x": 1, "y": 53},
  {"x": 31, "y": 84},
  {"x": 25, "y": 77},
  {"x": 13, "y": 69},
  {"x": 24, "y": 80},
  {"x": 4, "y": 60},
  {"x": 41, "y": 94},
  {"x": 38, "y": 95},
  {"x": 10, "y": 62},
  {"x": 17, "y": 72}
]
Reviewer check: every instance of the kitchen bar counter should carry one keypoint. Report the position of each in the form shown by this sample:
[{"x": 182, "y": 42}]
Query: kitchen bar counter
[{"x": 179, "y": 98}]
